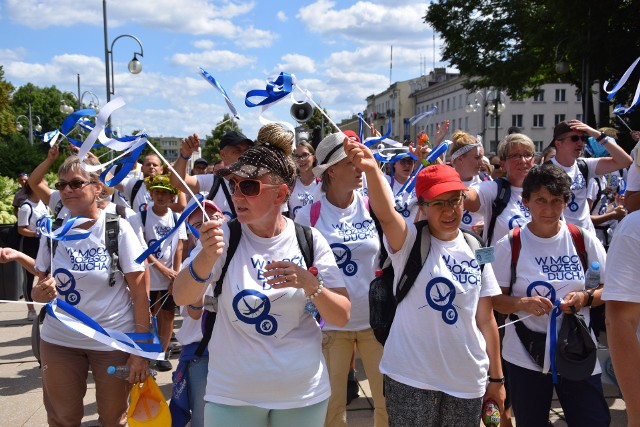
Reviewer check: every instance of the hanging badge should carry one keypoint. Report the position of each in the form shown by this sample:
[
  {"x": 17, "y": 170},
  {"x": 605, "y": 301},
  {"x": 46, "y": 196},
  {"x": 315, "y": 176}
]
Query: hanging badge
[{"x": 485, "y": 255}]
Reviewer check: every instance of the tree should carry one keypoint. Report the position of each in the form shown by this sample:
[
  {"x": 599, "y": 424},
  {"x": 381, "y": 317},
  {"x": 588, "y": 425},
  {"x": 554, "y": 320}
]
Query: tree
[
  {"x": 6, "y": 117},
  {"x": 318, "y": 120},
  {"x": 211, "y": 150},
  {"x": 514, "y": 45}
]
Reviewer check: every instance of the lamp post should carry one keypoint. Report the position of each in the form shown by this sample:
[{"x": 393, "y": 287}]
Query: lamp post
[
  {"x": 473, "y": 106},
  {"x": 495, "y": 107},
  {"x": 37, "y": 127},
  {"x": 135, "y": 67},
  {"x": 94, "y": 101}
]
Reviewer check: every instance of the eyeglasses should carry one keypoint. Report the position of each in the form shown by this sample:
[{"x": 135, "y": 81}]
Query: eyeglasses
[
  {"x": 74, "y": 184},
  {"x": 576, "y": 138},
  {"x": 301, "y": 157},
  {"x": 249, "y": 187},
  {"x": 518, "y": 156},
  {"x": 496, "y": 166},
  {"x": 440, "y": 204}
]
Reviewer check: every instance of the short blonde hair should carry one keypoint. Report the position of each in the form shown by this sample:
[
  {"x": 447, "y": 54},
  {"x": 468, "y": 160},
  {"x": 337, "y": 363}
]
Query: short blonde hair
[{"x": 513, "y": 140}]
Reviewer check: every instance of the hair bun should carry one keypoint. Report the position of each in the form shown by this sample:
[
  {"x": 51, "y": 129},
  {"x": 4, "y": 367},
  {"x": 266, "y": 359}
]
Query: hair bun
[{"x": 275, "y": 135}]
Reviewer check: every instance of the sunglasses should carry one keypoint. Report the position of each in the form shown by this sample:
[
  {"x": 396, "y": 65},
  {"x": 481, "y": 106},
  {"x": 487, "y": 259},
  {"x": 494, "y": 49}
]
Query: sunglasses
[
  {"x": 74, "y": 184},
  {"x": 249, "y": 187},
  {"x": 576, "y": 138},
  {"x": 496, "y": 166}
]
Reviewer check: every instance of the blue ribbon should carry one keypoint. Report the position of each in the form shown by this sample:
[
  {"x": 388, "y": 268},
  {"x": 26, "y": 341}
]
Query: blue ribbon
[
  {"x": 128, "y": 163},
  {"x": 152, "y": 347},
  {"x": 418, "y": 117},
  {"x": 274, "y": 91},
  {"x": 553, "y": 339},
  {"x": 183, "y": 217},
  {"x": 619, "y": 109},
  {"x": 44, "y": 226},
  {"x": 360, "y": 127},
  {"x": 370, "y": 142},
  {"x": 208, "y": 77}
]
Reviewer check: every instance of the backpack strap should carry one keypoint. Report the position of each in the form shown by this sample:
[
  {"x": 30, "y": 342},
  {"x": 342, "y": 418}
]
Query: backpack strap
[
  {"x": 57, "y": 223},
  {"x": 134, "y": 191},
  {"x": 577, "y": 235},
  {"x": 474, "y": 241},
  {"x": 596, "y": 201},
  {"x": 143, "y": 217},
  {"x": 583, "y": 168},
  {"x": 57, "y": 208},
  {"x": 304, "y": 235},
  {"x": 418, "y": 255},
  {"x": 111, "y": 230},
  {"x": 30, "y": 214},
  {"x": 121, "y": 211},
  {"x": 315, "y": 213},
  {"x": 514, "y": 241},
  {"x": 217, "y": 184},
  {"x": 498, "y": 205}
]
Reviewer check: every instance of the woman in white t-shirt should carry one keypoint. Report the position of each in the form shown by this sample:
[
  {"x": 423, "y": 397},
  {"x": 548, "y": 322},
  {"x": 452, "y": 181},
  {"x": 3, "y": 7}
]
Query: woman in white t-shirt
[
  {"x": 266, "y": 364},
  {"x": 517, "y": 156},
  {"x": 342, "y": 216},
  {"x": 466, "y": 157},
  {"x": 29, "y": 213},
  {"x": 439, "y": 353},
  {"x": 80, "y": 275},
  {"x": 307, "y": 188},
  {"x": 548, "y": 270}
]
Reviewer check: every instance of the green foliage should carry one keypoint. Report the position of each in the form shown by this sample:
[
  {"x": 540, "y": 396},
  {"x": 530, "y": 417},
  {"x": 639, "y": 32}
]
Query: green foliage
[
  {"x": 6, "y": 118},
  {"x": 211, "y": 150},
  {"x": 512, "y": 44},
  {"x": 317, "y": 120},
  {"x": 8, "y": 188}
]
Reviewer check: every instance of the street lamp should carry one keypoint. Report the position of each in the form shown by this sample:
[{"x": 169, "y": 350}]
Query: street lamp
[
  {"x": 473, "y": 106},
  {"x": 495, "y": 106},
  {"x": 135, "y": 66},
  {"x": 94, "y": 101},
  {"x": 19, "y": 127},
  {"x": 562, "y": 66}
]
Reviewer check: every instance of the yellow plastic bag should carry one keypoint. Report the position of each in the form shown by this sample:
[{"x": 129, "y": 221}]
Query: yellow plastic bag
[{"x": 148, "y": 406}]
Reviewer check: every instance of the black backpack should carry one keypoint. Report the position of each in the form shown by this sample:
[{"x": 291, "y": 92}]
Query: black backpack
[
  {"x": 382, "y": 302},
  {"x": 304, "y": 236},
  {"x": 217, "y": 184}
]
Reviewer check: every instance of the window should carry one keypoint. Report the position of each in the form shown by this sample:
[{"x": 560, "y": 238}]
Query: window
[
  {"x": 516, "y": 120},
  {"x": 453, "y": 107},
  {"x": 539, "y": 97},
  {"x": 448, "y": 105},
  {"x": 579, "y": 116},
  {"x": 539, "y": 145},
  {"x": 495, "y": 122},
  {"x": 460, "y": 123},
  {"x": 561, "y": 95},
  {"x": 494, "y": 146},
  {"x": 578, "y": 96},
  {"x": 559, "y": 118},
  {"x": 442, "y": 106},
  {"x": 538, "y": 120},
  {"x": 466, "y": 124}
]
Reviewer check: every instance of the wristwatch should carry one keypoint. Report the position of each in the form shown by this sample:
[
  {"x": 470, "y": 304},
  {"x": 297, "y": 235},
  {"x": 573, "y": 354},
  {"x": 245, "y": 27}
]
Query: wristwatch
[{"x": 496, "y": 380}]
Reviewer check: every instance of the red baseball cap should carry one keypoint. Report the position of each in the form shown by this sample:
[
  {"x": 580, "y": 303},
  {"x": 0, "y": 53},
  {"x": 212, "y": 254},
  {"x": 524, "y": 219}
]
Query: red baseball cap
[
  {"x": 437, "y": 179},
  {"x": 352, "y": 134}
]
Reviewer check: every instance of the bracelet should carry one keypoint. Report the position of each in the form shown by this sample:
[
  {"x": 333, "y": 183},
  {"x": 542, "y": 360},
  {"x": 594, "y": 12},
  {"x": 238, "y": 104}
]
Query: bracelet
[
  {"x": 195, "y": 276},
  {"x": 318, "y": 289},
  {"x": 589, "y": 298},
  {"x": 183, "y": 157},
  {"x": 496, "y": 380},
  {"x": 195, "y": 307},
  {"x": 601, "y": 137}
]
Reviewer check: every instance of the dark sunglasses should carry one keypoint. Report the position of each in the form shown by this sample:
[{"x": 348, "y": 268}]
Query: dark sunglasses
[
  {"x": 74, "y": 184},
  {"x": 496, "y": 166},
  {"x": 249, "y": 187},
  {"x": 576, "y": 138}
]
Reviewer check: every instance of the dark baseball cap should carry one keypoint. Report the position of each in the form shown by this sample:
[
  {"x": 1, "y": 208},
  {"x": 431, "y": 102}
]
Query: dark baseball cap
[
  {"x": 560, "y": 129},
  {"x": 201, "y": 160},
  {"x": 234, "y": 138}
]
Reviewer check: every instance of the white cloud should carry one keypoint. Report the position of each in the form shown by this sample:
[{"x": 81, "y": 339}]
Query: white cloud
[
  {"x": 294, "y": 63},
  {"x": 214, "y": 59},
  {"x": 10, "y": 55},
  {"x": 366, "y": 22},
  {"x": 204, "y": 44},
  {"x": 282, "y": 16},
  {"x": 252, "y": 37}
]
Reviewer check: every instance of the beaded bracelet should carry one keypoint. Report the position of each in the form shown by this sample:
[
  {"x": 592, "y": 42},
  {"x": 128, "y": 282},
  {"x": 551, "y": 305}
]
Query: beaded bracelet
[
  {"x": 195, "y": 276},
  {"x": 183, "y": 157},
  {"x": 316, "y": 293}
]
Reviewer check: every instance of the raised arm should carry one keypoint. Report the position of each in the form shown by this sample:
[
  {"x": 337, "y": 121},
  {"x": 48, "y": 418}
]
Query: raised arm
[{"x": 393, "y": 225}]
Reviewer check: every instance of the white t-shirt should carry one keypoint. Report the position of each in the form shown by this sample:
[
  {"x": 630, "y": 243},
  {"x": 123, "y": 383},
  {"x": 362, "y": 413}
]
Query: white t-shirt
[
  {"x": 355, "y": 243},
  {"x": 469, "y": 219},
  {"x": 111, "y": 208},
  {"x": 434, "y": 342},
  {"x": 633, "y": 177},
  {"x": 155, "y": 228},
  {"x": 577, "y": 210},
  {"x": 81, "y": 271},
  {"x": 142, "y": 197},
  {"x": 549, "y": 267},
  {"x": 303, "y": 195},
  {"x": 602, "y": 204},
  {"x": 205, "y": 181},
  {"x": 29, "y": 213},
  {"x": 268, "y": 348},
  {"x": 621, "y": 281},
  {"x": 515, "y": 214},
  {"x": 406, "y": 203}
]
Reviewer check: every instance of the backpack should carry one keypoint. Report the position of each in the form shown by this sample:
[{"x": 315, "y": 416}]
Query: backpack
[
  {"x": 304, "y": 236},
  {"x": 217, "y": 184},
  {"x": 383, "y": 303},
  {"x": 499, "y": 204},
  {"x": 134, "y": 191},
  {"x": 535, "y": 342}
]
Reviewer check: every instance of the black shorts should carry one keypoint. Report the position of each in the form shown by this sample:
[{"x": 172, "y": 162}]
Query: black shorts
[{"x": 167, "y": 304}]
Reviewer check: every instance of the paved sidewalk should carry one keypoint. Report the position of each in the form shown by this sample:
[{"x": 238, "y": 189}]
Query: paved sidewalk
[{"x": 21, "y": 390}]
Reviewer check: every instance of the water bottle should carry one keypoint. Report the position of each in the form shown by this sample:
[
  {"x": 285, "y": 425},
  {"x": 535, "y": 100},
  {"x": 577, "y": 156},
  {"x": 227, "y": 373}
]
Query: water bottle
[
  {"x": 491, "y": 414},
  {"x": 122, "y": 372},
  {"x": 592, "y": 276}
]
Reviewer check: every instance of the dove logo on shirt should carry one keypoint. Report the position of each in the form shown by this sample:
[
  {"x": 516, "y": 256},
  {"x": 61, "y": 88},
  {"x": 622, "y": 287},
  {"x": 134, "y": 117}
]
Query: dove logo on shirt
[
  {"x": 342, "y": 255},
  {"x": 578, "y": 182},
  {"x": 66, "y": 286},
  {"x": 252, "y": 307},
  {"x": 259, "y": 264},
  {"x": 440, "y": 294}
]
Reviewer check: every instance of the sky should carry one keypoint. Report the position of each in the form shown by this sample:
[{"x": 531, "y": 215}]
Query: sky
[{"x": 339, "y": 51}]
